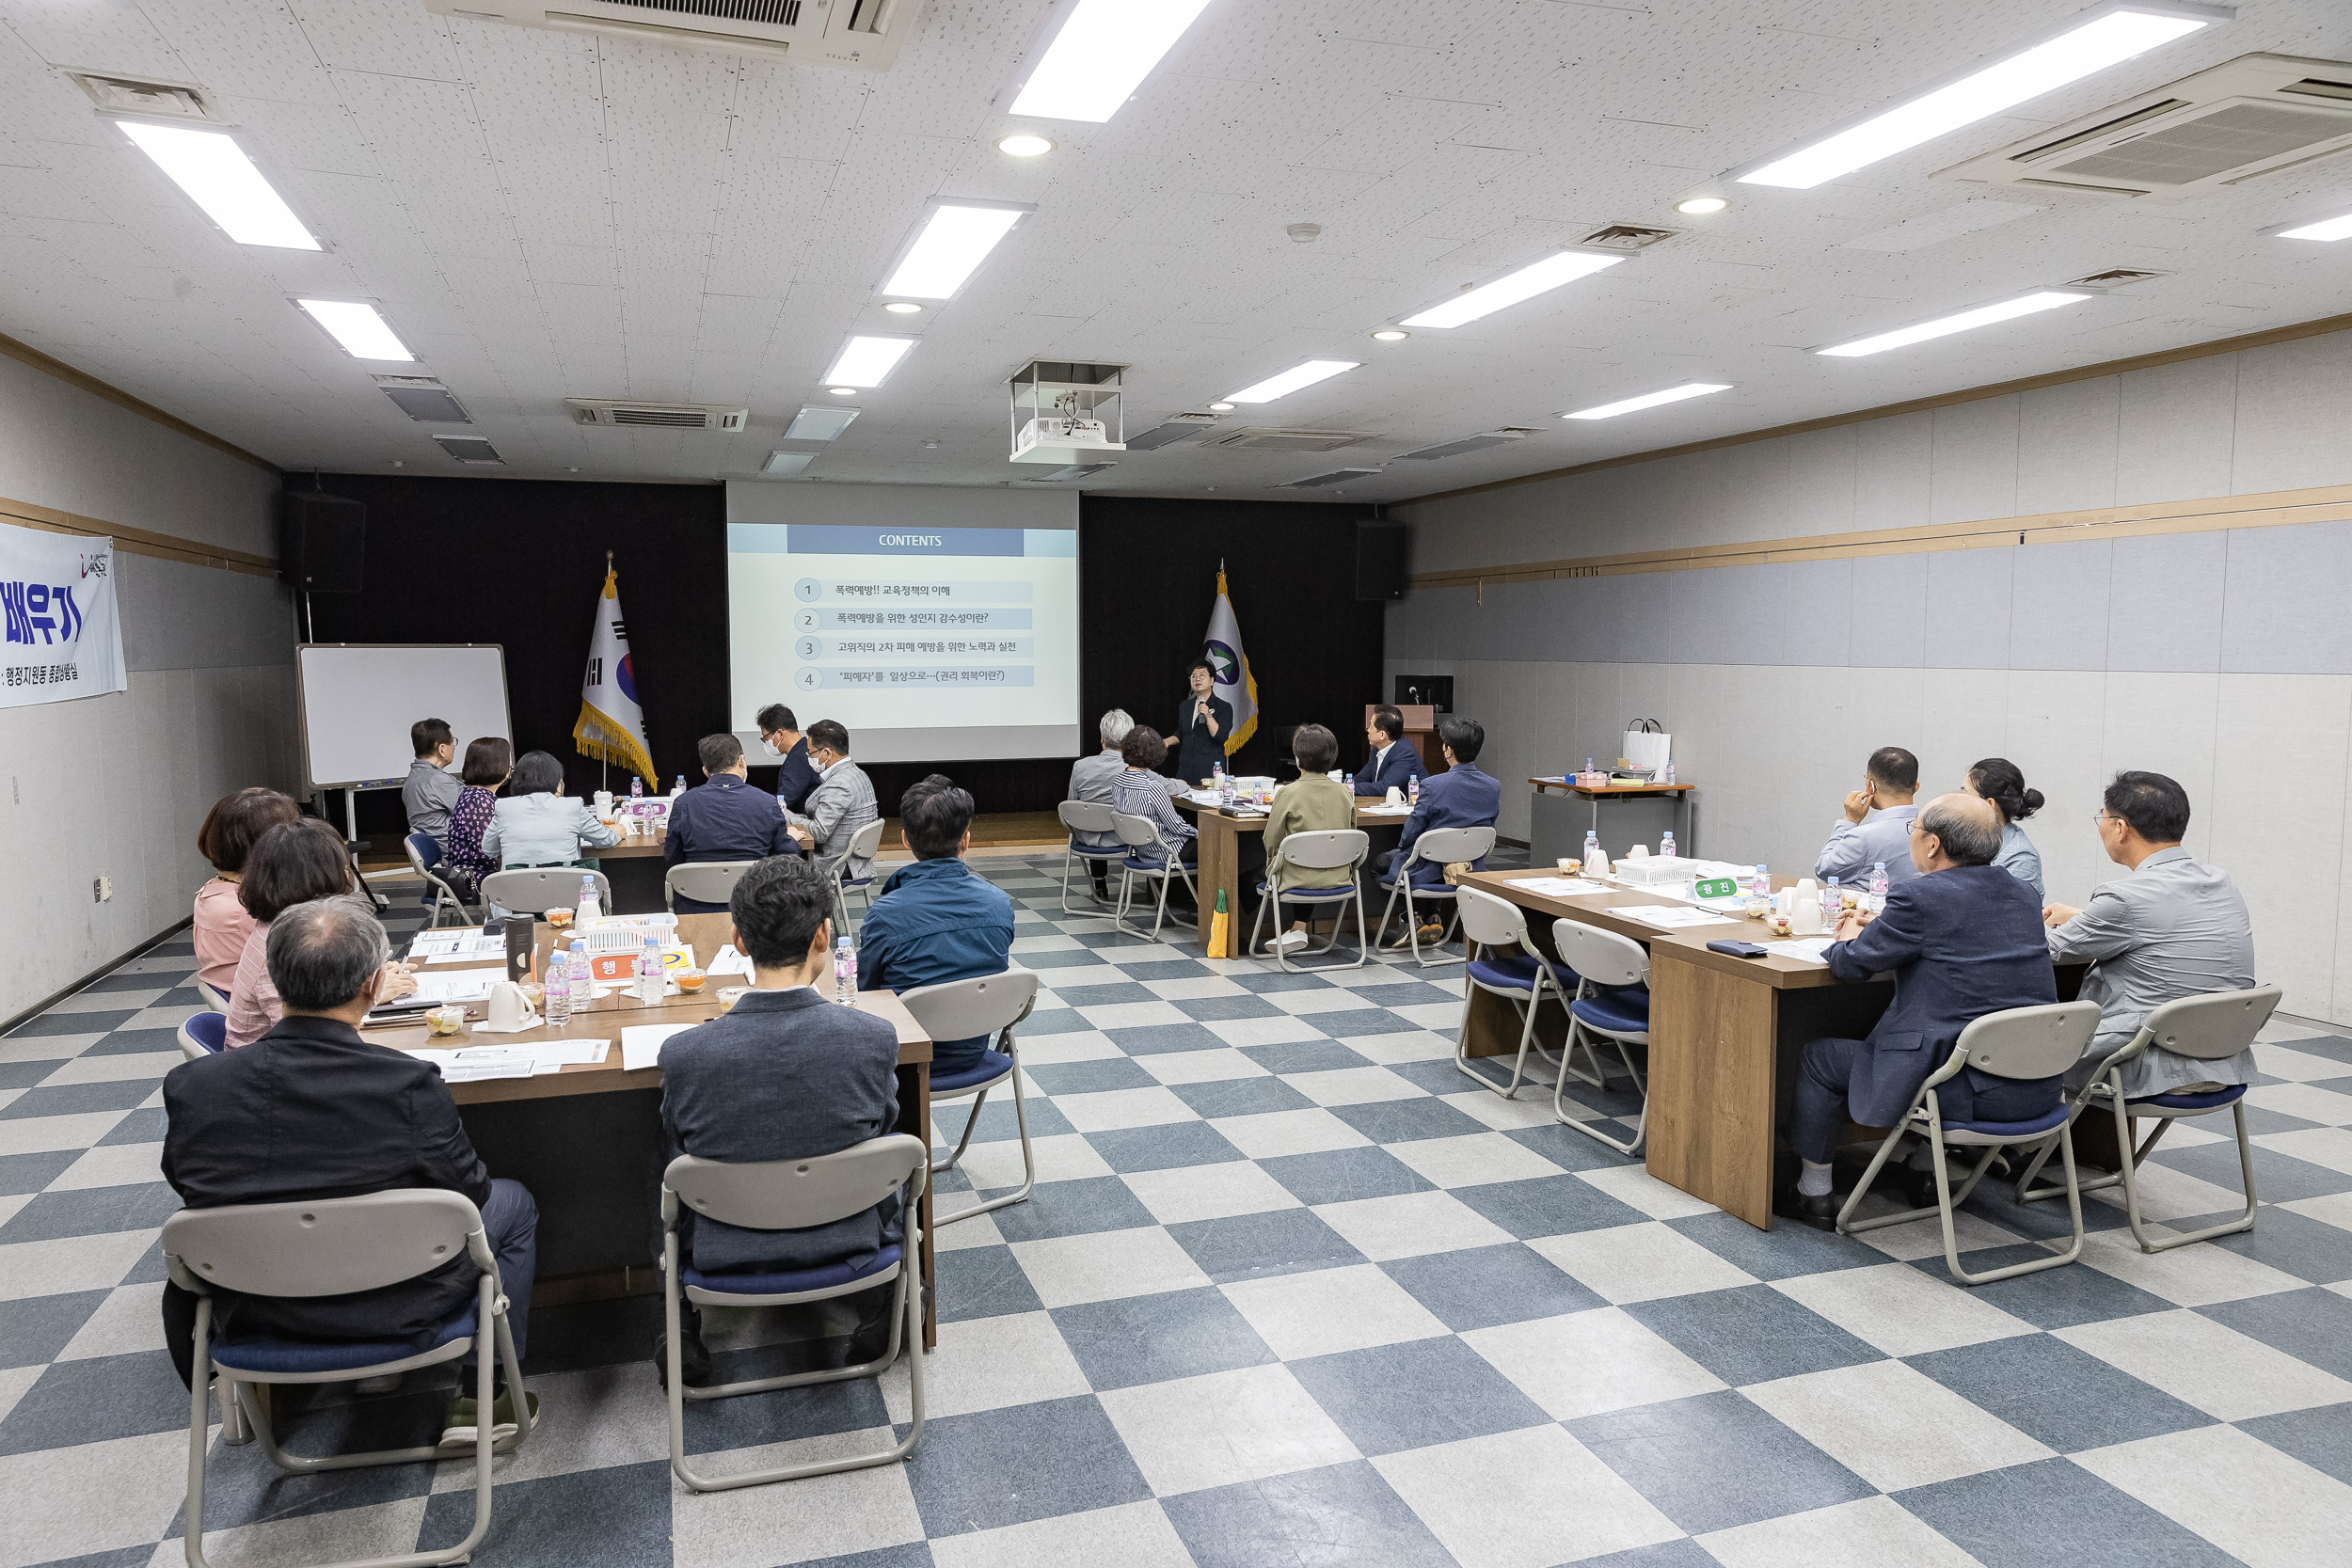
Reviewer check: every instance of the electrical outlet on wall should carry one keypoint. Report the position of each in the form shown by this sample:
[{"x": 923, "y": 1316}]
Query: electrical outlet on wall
[{"x": 102, "y": 890}]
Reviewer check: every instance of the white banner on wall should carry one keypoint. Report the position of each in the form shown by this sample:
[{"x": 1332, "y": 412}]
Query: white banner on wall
[{"x": 62, "y": 637}]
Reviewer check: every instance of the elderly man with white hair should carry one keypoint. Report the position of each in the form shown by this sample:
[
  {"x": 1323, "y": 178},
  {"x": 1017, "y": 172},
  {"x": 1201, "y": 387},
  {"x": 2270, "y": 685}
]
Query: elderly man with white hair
[{"x": 1092, "y": 779}]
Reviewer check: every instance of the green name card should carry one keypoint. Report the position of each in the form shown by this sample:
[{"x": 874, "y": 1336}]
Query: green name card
[{"x": 1718, "y": 887}]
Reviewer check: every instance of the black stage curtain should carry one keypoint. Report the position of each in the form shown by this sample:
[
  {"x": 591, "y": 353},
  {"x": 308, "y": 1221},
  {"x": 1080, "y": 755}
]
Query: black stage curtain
[{"x": 518, "y": 562}]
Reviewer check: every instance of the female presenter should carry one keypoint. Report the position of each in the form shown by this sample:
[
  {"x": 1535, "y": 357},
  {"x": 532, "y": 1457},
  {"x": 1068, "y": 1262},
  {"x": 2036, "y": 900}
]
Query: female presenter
[{"x": 1202, "y": 722}]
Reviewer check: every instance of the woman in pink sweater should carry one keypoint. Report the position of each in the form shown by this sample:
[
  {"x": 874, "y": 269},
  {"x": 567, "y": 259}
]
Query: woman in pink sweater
[
  {"x": 294, "y": 863},
  {"x": 232, "y": 828}
]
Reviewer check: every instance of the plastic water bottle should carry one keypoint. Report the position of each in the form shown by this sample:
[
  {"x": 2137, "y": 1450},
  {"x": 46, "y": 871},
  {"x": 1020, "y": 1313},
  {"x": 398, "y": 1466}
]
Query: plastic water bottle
[
  {"x": 1666, "y": 845},
  {"x": 636, "y": 789},
  {"x": 1347, "y": 781},
  {"x": 1670, "y": 769},
  {"x": 678, "y": 788},
  {"x": 591, "y": 907},
  {"x": 1878, "y": 884},
  {"x": 1592, "y": 851},
  {"x": 651, "y": 982},
  {"x": 556, "y": 991},
  {"x": 1412, "y": 791},
  {"x": 845, "y": 973},
  {"x": 1760, "y": 883},
  {"x": 1832, "y": 904}
]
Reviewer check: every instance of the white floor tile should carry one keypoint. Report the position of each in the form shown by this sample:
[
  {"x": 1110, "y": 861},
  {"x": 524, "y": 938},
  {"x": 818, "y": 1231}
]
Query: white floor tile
[
  {"x": 1472, "y": 1160},
  {"x": 1067, "y": 1271},
  {"x": 46, "y": 1135},
  {"x": 1192, "y": 987},
  {"x": 966, "y": 1235},
  {"x": 801, "y": 1521},
  {"x": 50, "y": 1495},
  {"x": 1328, "y": 1311},
  {"x": 2284, "y": 1061},
  {"x": 2306, "y": 1100},
  {"x": 1518, "y": 1499},
  {"x": 1135, "y": 1535},
  {"x": 2228, "y": 1376},
  {"x": 1587, "y": 1362},
  {"x": 1632, "y": 1186},
  {"x": 1326, "y": 999},
  {"x": 1410, "y": 1225},
  {"x": 1901, "y": 1311},
  {"x": 1262, "y": 1031},
  {"x": 1925, "y": 1238},
  {"x": 1354, "y": 1085},
  {"x": 2332, "y": 1209},
  {"x": 1224, "y": 1428},
  {"x": 1872, "y": 1532},
  {"x": 71, "y": 1263},
  {"x": 44, "y": 1048},
  {"x": 1442, "y": 1018},
  {"x": 1078, "y": 1045},
  {"x": 1199, "y": 1067},
  {"x": 1134, "y": 1015},
  {"x": 14, "y": 1381},
  {"x": 987, "y": 1364},
  {"x": 2330, "y": 1146},
  {"x": 112, "y": 1166},
  {"x": 106, "y": 1000},
  {"x": 1064, "y": 1157},
  {"x": 1530, "y": 1109},
  {"x": 1270, "y": 1135},
  {"x": 1116, "y": 1109},
  {"x": 1209, "y": 1192},
  {"x": 380, "y": 1529},
  {"x": 2263, "y": 1507},
  {"x": 2193, "y": 1276},
  {"x": 1640, "y": 1262},
  {"x": 1408, "y": 1045},
  {"x": 589, "y": 1420},
  {"x": 1894, "y": 1426},
  {"x": 117, "y": 1069},
  {"x": 128, "y": 1321}
]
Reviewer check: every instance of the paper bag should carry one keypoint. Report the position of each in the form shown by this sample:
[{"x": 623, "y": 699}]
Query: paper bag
[{"x": 1647, "y": 746}]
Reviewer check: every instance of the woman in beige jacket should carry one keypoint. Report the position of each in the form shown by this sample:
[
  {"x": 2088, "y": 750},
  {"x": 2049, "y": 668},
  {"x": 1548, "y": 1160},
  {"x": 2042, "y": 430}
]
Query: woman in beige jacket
[{"x": 1313, "y": 803}]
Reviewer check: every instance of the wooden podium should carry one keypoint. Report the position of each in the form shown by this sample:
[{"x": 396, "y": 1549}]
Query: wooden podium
[{"x": 1420, "y": 728}]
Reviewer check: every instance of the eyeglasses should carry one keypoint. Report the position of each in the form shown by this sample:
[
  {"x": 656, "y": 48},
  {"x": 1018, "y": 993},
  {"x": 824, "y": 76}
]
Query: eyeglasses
[{"x": 2101, "y": 815}]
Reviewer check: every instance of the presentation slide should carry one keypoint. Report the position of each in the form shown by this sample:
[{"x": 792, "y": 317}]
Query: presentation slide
[{"x": 935, "y": 625}]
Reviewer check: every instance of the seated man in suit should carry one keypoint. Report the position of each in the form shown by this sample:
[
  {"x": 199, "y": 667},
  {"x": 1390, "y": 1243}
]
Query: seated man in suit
[
  {"x": 312, "y": 1110},
  {"x": 2172, "y": 927},
  {"x": 780, "y": 737},
  {"x": 784, "y": 1073},
  {"x": 1095, "y": 780},
  {"x": 841, "y": 801},
  {"x": 1962, "y": 939},
  {"x": 936, "y": 920},
  {"x": 723, "y": 819},
  {"x": 1393, "y": 762},
  {"x": 1877, "y": 828},
  {"x": 1461, "y": 797}
]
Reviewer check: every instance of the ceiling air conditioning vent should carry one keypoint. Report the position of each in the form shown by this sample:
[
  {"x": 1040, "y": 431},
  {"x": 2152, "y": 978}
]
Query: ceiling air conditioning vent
[
  {"x": 1502, "y": 437},
  {"x": 1176, "y": 428},
  {"x": 1076, "y": 471},
  {"x": 658, "y": 416},
  {"x": 475, "y": 452},
  {"x": 1627, "y": 236},
  {"x": 1337, "y": 476},
  {"x": 2115, "y": 278},
  {"x": 2255, "y": 115},
  {"x": 1274, "y": 438},
  {"x": 423, "y": 397},
  {"x": 856, "y": 35},
  {"x": 127, "y": 96}
]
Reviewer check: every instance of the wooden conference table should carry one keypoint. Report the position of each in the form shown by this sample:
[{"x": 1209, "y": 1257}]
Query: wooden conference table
[
  {"x": 1221, "y": 834},
  {"x": 587, "y": 1139}
]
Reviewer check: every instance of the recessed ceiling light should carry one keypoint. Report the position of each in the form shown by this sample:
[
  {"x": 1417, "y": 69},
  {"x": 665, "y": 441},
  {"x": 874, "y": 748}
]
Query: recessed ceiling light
[
  {"x": 2105, "y": 36},
  {"x": 1651, "y": 400},
  {"x": 787, "y": 462},
  {"x": 2327, "y": 229},
  {"x": 356, "y": 326},
  {"x": 220, "y": 178},
  {"x": 819, "y": 424},
  {"x": 954, "y": 240},
  {"x": 1101, "y": 55},
  {"x": 1389, "y": 335},
  {"x": 1304, "y": 374},
  {"x": 865, "y": 362},
  {"x": 1023, "y": 144},
  {"x": 1221, "y": 408},
  {"x": 1535, "y": 278},
  {"x": 1944, "y": 326},
  {"x": 903, "y": 307},
  {"x": 1699, "y": 206}
]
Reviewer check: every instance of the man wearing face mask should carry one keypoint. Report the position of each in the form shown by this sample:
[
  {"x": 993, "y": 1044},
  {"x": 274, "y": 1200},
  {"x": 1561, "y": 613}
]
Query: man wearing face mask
[{"x": 780, "y": 737}]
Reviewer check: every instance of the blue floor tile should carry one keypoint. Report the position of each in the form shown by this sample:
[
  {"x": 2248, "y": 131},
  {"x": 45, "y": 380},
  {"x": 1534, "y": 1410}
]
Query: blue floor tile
[
  {"x": 982, "y": 1282},
  {"x": 2062, "y": 1397},
  {"x": 1751, "y": 1334},
  {"x": 1415, "y": 1395},
  {"x": 91, "y": 1212},
  {"x": 1339, "y": 1516},
  {"x": 997, "y": 1467},
  {"x": 1157, "y": 1337},
  {"x": 2314, "y": 1327},
  {"x": 1252, "y": 1246},
  {"x": 1548, "y": 1205},
  {"x": 1170, "y": 1147},
  {"x": 1150, "y": 1039},
  {"x": 1240, "y": 1097},
  {"x": 1220, "y": 1008},
  {"x": 1316, "y": 1055},
  {"x": 1087, "y": 1207},
  {"x": 1783, "y": 1252},
  {"x": 74, "y": 1100},
  {"x": 2321, "y": 1439},
  {"x": 1716, "y": 1461},
  {"x": 2292, "y": 1243},
  {"x": 92, "y": 1400},
  {"x": 1486, "y": 1285},
  {"x": 2033, "y": 1515},
  {"x": 2049, "y": 1298},
  {"x": 1339, "y": 1175},
  {"x": 1111, "y": 1072},
  {"x": 1396, "y": 1121},
  {"x": 2278, "y": 1177},
  {"x": 30, "y": 1173},
  {"x": 616, "y": 1517},
  {"x": 35, "y": 1328}
]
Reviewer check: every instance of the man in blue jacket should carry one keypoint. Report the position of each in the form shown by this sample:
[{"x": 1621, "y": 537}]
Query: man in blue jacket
[
  {"x": 1461, "y": 797},
  {"x": 1393, "y": 762},
  {"x": 723, "y": 819},
  {"x": 936, "y": 920},
  {"x": 1962, "y": 939}
]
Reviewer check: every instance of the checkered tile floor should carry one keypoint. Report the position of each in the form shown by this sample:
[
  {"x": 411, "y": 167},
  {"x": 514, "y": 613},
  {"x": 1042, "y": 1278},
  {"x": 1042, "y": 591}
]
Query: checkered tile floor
[{"x": 1292, "y": 1291}]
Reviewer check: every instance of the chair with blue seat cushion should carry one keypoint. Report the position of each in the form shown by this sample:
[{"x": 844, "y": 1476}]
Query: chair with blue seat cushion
[
  {"x": 216, "y": 1001},
  {"x": 1438, "y": 846},
  {"x": 424, "y": 858},
  {"x": 1508, "y": 965},
  {"x": 1086, "y": 816},
  {"x": 962, "y": 1010},
  {"x": 1611, "y": 1004},
  {"x": 335, "y": 1247},
  {"x": 2210, "y": 1027},
  {"x": 1341, "y": 849},
  {"x": 862, "y": 845},
  {"x": 1138, "y": 834},
  {"x": 794, "y": 1194},
  {"x": 203, "y": 1035},
  {"x": 2024, "y": 1043}
]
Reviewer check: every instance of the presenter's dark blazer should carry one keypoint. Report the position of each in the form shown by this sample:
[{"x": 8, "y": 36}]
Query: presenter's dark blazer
[
  {"x": 1198, "y": 751},
  {"x": 1402, "y": 765},
  {"x": 1959, "y": 942}
]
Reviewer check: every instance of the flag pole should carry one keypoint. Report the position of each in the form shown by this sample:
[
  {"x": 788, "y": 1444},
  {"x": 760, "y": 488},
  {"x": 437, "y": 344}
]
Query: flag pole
[{"x": 604, "y": 756}]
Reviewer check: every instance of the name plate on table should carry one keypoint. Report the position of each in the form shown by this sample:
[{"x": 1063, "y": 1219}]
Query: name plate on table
[{"x": 1716, "y": 887}]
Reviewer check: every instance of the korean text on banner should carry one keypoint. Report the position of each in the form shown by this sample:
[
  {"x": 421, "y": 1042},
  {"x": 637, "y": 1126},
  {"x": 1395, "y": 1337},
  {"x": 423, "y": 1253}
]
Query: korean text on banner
[{"x": 64, "y": 639}]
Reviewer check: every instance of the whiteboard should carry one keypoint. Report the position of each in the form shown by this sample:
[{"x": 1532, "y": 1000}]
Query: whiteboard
[{"x": 359, "y": 698}]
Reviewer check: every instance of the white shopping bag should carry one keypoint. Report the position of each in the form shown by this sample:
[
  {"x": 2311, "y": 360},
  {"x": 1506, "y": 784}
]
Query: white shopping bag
[{"x": 1646, "y": 745}]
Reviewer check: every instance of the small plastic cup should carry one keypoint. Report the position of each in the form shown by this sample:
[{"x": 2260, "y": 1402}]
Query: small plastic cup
[
  {"x": 560, "y": 917},
  {"x": 445, "y": 1020},
  {"x": 690, "y": 980},
  {"x": 730, "y": 995}
]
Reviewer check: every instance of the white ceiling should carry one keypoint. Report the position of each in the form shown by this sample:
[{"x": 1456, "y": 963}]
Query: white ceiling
[{"x": 544, "y": 216}]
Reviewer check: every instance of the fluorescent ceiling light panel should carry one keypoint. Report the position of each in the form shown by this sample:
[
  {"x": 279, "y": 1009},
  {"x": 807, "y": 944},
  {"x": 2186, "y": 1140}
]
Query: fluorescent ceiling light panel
[
  {"x": 2327, "y": 228},
  {"x": 1101, "y": 55},
  {"x": 1966, "y": 321},
  {"x": 818, "y": 424},
  {"x": 950, "y": 246},
  {"x": 1510, "y": 288},
  {"x": 359, "y": 327},
  {"x": 1291, "y": 380},
  {"x": 1651, "y": 400},
  {"x": 2106, "y": 37},
  {"x": 867, "y": 361},
  {"x": 220, "y": 178},
  {"x": 787, "y": 462}
]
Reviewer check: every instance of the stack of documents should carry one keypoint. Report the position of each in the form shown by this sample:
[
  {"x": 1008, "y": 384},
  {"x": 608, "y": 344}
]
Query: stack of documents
[
  {"x": 459, "y": 985},
  {"x": 1805, "y": 950},
  {"x": 474, "y": 1063},
  {"x": 641, "y": 1044},
  {"x": 1559, "y": 887},
  {"x": 1673, "y": 916},
  {"x": 449, "y": 947}
]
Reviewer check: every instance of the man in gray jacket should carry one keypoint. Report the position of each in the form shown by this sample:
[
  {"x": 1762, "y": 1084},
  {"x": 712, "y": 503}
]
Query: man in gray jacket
[
  {"x": 842, "y": 802},
  {"x": 430, "y": 790},
  {"x": 1092, "y": 779}
]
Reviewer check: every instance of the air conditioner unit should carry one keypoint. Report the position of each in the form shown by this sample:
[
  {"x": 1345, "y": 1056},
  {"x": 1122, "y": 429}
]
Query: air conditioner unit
[
  {"x": 657, "y": 416},
  {"x": 2255, "y": 115},
  {"x": 856, "y": 35},
  {"x": 1274, "y": 438},
  {"x": 1337, "y": 476},
  {"x": 1175, "y": 428},
  {"x": 1502, "y": 437}
]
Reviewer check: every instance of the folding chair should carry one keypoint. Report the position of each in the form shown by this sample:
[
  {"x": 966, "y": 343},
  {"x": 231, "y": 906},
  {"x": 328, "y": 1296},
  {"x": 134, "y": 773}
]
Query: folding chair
[
  {"x": 1086, "y": 816},
  {"x": 1508, "y": 966},
  {"x": 425, "y": 855},
  {"x": 203, "y": 1035},
  {"x": 791, "y": 1194},
  {"x": 1343, "y": 849},
  {"x": 958, "y": 1010},
  {"x": 332, "y": 1248},
  {"x": 1611, "y": 1004},
  {"x": 1137, "y": 832},
  {"x": 2211, "y": 1027},
  {"x": 529, "y": 891},
  {"x": 706, "y": 882},
  {"x": 1438, "y": 846},
  {"x": 213, "y": 999},
  {"x": 2020, "y": 1042},
  {"x": 862, "y": 846}
]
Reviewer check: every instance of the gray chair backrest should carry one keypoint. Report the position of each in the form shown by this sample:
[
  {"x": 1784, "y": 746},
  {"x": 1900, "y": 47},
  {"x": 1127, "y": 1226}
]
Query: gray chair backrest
[
  {"x": 865, "y": 841},
  {"x": 981, "y": 1004},
  {"x": 791, "y": 1194},
  {"x": 328, "y": 1248},
  {"x": 2030, "y": 1043},
  {"x": 709, "y": 881},
  {"x": 543, "y": 889},
  {"x": 1134, "y": 831},
  {"x": 1444, "y": 846},
  {"x": 416, "y": 860},
  {"x": 1086, "y": 817},
  {"x": 1491, "y": 922},
  {"x": 1326, "y": 849},
  {"x": 2213, "y": 1025},
  {"x": 1602, "y": 957}
]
